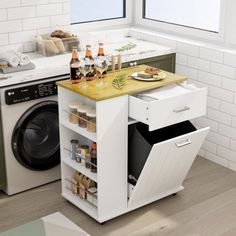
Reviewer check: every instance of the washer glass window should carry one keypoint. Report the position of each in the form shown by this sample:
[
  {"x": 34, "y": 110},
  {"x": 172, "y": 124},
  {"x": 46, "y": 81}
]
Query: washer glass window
[{"x": 35, "y": 139}]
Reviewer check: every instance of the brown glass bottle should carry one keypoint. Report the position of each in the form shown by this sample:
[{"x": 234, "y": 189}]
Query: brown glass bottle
[
  {"x": 101, "y": 54},
  {"x": 74, "y": 66},
  {"x": 88, "y": 53},
  {"x": 101, "y": 50},
  {"x": 93, "y": 155},
  {"x": 89, "y": 60}
]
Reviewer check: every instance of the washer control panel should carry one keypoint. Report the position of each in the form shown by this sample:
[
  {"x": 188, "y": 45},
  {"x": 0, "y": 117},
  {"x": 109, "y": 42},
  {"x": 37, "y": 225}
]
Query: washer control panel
[{"x": 31, "y": 92}]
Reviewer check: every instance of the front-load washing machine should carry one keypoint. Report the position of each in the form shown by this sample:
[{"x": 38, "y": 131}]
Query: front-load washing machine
[{"x": 29, "y": 135}]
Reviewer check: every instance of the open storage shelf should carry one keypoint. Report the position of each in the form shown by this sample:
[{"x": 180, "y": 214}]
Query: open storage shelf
[
  {"x": 79, "y": 167},
  {"x": 78, "y": 130},
  {"x": 67, "y": 193}
]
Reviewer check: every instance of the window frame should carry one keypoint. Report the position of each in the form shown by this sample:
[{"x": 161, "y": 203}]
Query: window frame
[
  {"x": 115, "y": 18},
  {"x": 107, "y": 23},
  {"x": 165, "y": 27}
]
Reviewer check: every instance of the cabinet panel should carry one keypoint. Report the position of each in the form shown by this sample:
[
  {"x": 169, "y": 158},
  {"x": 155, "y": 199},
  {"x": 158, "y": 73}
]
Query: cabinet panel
[{"x": 166, "y": 167}]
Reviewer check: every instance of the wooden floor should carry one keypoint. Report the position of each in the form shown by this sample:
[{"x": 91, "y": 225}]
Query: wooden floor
[{"x": 206, "y": 207}]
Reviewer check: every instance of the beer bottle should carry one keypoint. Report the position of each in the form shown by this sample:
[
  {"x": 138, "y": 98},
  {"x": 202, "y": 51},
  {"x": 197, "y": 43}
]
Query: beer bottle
[
  {"x": 89, "y": 60},
  {"x": 101, "y": 55},
  {"x": 101, "y": 50},
  {"x": 88, "y": 53},
  {"x": 74, "y": 66}
]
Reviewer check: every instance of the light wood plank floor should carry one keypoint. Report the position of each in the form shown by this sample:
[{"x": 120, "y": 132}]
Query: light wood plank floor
[{"x": 207, "y": 207}]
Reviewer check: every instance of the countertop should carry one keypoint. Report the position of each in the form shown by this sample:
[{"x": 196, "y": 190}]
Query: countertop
[
  {"x": 133, "y": 86},
  {"x": 59, "y": 65}
]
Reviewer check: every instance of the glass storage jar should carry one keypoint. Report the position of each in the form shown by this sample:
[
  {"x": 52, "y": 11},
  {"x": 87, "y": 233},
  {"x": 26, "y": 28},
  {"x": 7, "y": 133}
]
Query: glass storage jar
[
  {"x": 82, "y": 110},
  {"x": 91, "y": 117},
  {"x": 73, "y": 114},
  {"x": 84, "y": 151},
  {"x": 74, "y": 145}
]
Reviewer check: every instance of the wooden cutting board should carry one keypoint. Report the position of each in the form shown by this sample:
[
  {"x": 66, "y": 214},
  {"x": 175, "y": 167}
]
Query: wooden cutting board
[{"x": 133, "y": 86}]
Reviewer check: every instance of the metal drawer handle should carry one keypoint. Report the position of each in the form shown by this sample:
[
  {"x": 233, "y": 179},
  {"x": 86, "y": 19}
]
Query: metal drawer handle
[
  {"x": 185, "y": 143},
  {"x": 185, "y": 108}
]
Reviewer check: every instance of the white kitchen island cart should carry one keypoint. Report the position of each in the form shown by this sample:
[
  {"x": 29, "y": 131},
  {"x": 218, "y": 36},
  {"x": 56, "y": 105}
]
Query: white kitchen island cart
[{"x": 145, "y": 108}]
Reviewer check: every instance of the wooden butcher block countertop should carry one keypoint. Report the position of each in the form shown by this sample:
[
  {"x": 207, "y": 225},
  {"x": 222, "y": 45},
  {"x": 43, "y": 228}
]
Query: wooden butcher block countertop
[{"x": 133, "y": 86}]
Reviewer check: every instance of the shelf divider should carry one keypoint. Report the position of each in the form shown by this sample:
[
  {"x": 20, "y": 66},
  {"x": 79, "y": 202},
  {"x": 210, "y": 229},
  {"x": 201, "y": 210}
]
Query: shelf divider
[
  {"x": 78, "y": 130},
  {"x": 81, "y": 168}
]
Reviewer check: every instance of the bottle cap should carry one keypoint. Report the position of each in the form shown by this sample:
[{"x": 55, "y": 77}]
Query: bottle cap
[{"x": 75, "y": 141}]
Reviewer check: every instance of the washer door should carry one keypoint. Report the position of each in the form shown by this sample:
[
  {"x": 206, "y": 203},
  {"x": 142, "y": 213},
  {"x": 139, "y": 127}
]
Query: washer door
[{"x": 35, "y": 139}]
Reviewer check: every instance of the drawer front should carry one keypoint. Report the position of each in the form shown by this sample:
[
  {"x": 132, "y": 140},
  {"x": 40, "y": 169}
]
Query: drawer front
[
  {"x": 166, "y": 167},
  {"x": 172, "y": 110}
]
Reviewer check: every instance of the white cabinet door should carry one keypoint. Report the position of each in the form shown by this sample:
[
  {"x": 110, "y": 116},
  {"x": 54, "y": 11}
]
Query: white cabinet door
[{"x": 166, "y": 167}]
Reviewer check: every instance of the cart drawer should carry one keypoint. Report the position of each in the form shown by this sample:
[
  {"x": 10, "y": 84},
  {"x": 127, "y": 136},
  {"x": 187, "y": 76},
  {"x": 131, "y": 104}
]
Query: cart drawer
[{"x": 168, "y": 105}]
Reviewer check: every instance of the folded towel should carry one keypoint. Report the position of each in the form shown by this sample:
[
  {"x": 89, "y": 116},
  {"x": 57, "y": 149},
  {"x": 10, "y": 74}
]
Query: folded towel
[
  {"x": 24, "y": 59},
  {"x": 8, "y": 70},
  {"x": 12, "y": 59}
]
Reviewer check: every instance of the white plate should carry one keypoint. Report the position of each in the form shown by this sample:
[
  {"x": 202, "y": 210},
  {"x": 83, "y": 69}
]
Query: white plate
[{"x": 161, "y": 76}]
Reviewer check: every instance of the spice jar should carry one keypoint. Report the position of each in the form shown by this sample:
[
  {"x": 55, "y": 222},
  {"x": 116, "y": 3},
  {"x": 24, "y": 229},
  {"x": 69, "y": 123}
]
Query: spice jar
[
  {"x": 91, "y": 117},
  {"x": 78, "y": 153},
  {"x": 87, "y": 160},
  {"x": 73, "y": 115},
  {"x": 82, "y": 115},
  {"x": 74, "y": 144},
  {"x": 84, "y": 151}
]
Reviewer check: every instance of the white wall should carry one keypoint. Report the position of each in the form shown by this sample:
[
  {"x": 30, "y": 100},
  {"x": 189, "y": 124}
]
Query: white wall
[{"x": 21, "y": 20}]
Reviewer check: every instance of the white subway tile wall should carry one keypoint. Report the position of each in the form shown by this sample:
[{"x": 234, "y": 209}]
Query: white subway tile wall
[
  {"x": 215, "y": 68},
  {"x": 22, "y": 20}
]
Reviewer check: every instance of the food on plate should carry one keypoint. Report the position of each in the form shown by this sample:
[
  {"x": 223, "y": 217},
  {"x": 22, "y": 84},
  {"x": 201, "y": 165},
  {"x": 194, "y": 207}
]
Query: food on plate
[
  {"x": 149, "y": 72},
  {"x": 160, "y": 76},
  {"x": 143, "y": 74},
  {"x": 152, "y": 70}
]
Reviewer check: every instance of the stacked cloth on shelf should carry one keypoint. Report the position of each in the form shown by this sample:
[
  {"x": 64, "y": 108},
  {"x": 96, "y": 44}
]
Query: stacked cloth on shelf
[{"x": 12, "y": 61}]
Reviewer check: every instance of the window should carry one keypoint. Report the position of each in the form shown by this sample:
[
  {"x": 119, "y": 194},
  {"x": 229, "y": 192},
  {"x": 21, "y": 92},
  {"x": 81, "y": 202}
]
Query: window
[
  {"x": 83, "y": 11},
  {"x": 198, "y": 14}
]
